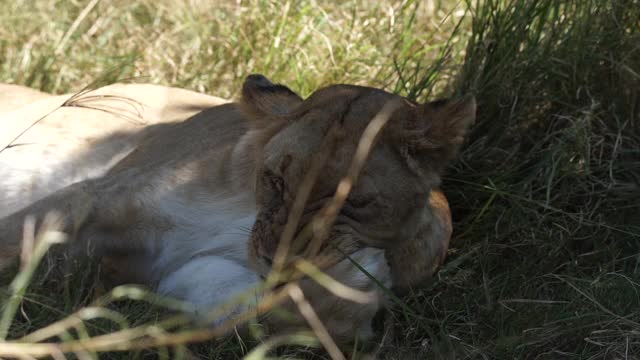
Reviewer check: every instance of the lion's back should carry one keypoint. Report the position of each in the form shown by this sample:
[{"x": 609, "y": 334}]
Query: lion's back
[{"x": 49, "y": 142}]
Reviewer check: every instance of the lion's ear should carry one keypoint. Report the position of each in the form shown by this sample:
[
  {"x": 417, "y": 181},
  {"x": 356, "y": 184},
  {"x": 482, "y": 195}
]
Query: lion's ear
[
  {"x": 435, "y": 132},
  {"x": 262, "y": 100}
]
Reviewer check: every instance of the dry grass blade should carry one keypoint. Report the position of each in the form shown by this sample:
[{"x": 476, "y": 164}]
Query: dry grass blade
[
  {"x": 260, "y": 351},
  {"x": 97, "y": 102},
  {"x": 134, "y": 338},
  {"x": 302, "y": 195},
  {"x": 48, "y": 235},
  {"x": 323, "y": 223},
  {"x": 314, "y": 321},
  {"x": 11, "y": 142},
  {"x": 74, "y": 26},
  {"x": 28, "y": 242},
  {"x": 335, "y": 287},
  {"x": 82, "y": 315}
]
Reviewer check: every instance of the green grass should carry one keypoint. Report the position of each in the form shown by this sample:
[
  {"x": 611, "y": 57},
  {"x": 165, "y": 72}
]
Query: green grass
[{"x": 545, "y": 261}]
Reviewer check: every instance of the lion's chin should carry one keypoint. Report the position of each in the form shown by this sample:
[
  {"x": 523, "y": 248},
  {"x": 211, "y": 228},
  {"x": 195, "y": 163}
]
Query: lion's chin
[{"x": 344, "y": 319}]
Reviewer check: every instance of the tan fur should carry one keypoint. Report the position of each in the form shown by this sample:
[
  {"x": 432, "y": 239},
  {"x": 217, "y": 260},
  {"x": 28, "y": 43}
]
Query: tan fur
[
  {"x": 259, "y": 151},
  {"x": 74, "y": 137},
  {"x": 15, "y": 96}
]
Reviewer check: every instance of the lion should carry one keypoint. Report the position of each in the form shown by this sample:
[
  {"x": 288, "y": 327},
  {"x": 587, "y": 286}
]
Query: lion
[{"x": 192, "y": 195}]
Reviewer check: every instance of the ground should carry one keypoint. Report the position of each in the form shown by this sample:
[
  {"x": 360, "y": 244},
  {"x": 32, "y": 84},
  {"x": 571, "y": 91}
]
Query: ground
[{"x": 545, "y": 259}]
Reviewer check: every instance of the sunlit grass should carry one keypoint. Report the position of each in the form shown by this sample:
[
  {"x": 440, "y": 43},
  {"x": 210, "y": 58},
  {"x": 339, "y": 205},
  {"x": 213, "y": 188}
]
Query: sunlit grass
[{"x": 211, "y": 46}]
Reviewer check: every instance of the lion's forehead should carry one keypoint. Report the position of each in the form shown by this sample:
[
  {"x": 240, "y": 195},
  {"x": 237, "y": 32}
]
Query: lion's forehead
[{"x": 299, "y": 142}]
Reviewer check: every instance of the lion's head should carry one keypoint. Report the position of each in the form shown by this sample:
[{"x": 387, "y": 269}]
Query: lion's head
[{"x": 387, "y": 208}]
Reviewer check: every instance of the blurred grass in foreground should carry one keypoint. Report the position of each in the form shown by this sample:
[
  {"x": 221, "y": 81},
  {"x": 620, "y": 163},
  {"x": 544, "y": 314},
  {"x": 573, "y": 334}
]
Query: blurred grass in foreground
[{"x": 546, "y": 196}]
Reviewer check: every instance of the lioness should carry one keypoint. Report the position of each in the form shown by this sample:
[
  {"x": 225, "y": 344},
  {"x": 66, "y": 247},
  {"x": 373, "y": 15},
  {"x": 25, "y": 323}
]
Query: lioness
[{"x": 196, "y": 208}]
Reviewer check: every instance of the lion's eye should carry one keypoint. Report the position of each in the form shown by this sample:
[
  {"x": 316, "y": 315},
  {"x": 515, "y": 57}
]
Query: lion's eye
[
  {"x": 278, "y": 184},
  {"x": 360, "y": 202},
  {"x": 274, "y": 181},
  {"x": 359, "y": 208}
]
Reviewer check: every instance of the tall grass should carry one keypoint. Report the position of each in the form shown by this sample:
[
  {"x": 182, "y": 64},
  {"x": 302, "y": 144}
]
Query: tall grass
[
  {"x": 545, "y": 257},
  {"x": 546, "y": 193}
]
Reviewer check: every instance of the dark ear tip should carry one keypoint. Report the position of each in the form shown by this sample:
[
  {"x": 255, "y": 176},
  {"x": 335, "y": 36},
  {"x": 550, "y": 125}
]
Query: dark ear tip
[
  {"x": 257, "y": 80},
  {"x": 260, "y": 97}
]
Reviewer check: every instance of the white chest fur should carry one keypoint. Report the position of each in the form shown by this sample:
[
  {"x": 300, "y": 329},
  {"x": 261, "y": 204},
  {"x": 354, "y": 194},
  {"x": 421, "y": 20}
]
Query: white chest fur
[{"x": 203, "y": 259}]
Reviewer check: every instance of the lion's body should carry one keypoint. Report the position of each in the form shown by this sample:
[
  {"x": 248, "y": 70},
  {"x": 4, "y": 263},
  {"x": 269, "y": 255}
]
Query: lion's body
[
  {"x": 178, "y": 205},
  {"x": 174, "y": 198},
  {"x": 56, "y": 146}
]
